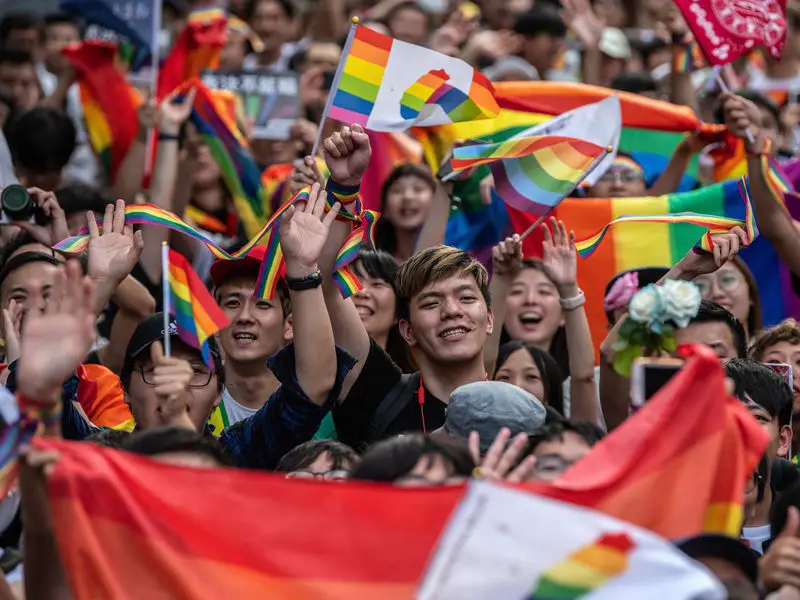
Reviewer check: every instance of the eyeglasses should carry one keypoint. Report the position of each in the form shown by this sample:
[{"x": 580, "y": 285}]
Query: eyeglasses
[
  {"x": 334, "y": 475},
  {"x": 624, "y": 175},
  {"x": 728, "y": 282},
  {"x": 201, "y": 376}
]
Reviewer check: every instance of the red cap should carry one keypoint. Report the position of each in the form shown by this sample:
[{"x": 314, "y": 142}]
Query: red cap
[{"x": 224, "y": 269}]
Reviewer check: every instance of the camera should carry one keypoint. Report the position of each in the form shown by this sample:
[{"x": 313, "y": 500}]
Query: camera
[{"x": 17, "y": 204}]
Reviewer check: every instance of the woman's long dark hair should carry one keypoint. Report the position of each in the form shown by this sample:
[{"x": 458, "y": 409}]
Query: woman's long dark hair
[
  {"x": 385, "y": 234},
  {"x": 558, "y": 347},
  {"x": 552, "y": 376},
  {"x": 382, "y": 265}
]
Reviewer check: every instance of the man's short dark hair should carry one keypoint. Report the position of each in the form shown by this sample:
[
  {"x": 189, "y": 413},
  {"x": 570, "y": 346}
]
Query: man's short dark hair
[
  {"x": 711, "y": 312},
  {"x": 395, "y": 457},
  {"x": 168, "y": 440},
  {"x": 15, "y": 57},
  {"x": 780, "y": 508},
  {"x": 408, "y": 5},
  {"x": 342, "y": 457},
  {"x": 110, "y": 438},
  {"x": 555, "y": 431},
  {"x": 78, "y": 197},
  {"x": 541, "y": 19},
  {"x": 763, "y": 386},
  {"x": 635, "y": 83},
  {"x": 42, "y": 140},
  {"x": 286, "y": 5},
  {"x": 60, "y": 18},
  {"x": 15, "y": 22}
]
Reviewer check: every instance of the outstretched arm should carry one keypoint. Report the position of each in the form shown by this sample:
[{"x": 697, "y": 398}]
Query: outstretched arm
[{"x": 506, "y": 262}]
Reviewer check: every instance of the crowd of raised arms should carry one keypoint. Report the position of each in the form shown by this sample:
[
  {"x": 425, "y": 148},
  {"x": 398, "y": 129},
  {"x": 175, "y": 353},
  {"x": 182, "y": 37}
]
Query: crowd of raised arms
[{"x": 446, "y": 352}]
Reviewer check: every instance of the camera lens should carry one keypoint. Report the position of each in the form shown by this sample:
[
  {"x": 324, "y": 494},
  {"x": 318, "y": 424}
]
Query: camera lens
[{"x": 17, "y": 203}]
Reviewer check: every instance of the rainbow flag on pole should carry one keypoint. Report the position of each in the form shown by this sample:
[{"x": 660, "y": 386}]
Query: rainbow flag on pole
[
  {"x": 196, "y": 313},
  {"x": 533, "y": 174},
  {"x": 384, "y": 84}
]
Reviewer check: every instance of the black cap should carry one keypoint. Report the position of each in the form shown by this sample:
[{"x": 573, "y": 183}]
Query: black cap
[
  {"x": 152, "y": 330},
  {"x": 732, "y": 550}
]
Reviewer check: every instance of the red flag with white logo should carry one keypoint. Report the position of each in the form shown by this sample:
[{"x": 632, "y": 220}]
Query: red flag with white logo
[{"x": 727, "y": 29}]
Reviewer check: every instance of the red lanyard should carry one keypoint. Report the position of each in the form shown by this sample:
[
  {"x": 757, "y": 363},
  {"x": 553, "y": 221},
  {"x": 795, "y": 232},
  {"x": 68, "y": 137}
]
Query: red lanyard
[{"x": 421, "y": 400}]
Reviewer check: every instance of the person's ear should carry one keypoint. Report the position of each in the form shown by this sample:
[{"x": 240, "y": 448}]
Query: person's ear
[
  {"x": 490, "y": 322},
  {"x": 785, "y": 442},
  {"x": 407, "y": 331},
  {"x": 126, "y": 397},
  {"x": 288, "y": 329}
]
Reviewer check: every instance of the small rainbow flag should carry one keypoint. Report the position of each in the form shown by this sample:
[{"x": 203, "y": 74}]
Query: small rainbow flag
[
  {"x": 196, "y": 313},
  {"x": 385, "y": 84},
  {"x": 586, "y": 569},
  {"x": 533, "y": 174},
  {"x": 346, "y": 281}
]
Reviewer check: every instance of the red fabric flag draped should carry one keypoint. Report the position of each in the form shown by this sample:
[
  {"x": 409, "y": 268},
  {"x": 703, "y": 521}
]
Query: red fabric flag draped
[
  {"x": 133, "y": 528},
  {"x": 109, "y": 102},
  {"x": 727, "y": 29}
]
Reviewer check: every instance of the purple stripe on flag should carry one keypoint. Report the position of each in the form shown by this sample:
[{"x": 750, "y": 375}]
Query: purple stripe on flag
[
  {"x": 544, "y": 202},
  {"x": 348, "y": 116}
]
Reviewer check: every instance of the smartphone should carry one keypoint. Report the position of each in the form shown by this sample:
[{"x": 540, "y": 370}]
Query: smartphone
[
  {"x": 649, "y": 376},
  {"x": 327, "y": 80},
  {"x": 784, "y": 370}
]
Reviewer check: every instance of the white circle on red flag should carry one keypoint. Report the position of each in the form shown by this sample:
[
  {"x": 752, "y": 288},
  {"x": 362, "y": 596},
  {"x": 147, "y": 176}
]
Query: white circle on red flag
[{"x": 752, "y": 19}]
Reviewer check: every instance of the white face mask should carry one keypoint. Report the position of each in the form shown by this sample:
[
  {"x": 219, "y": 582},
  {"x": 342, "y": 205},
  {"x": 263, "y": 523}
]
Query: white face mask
[
  {"x": 8, "y": 508},
  {"x": 433, "y": 6}
]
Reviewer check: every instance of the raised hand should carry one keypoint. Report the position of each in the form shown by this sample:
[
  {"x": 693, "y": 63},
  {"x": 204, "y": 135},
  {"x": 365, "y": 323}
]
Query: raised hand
[
  {"x": 12, "y": 326},
  {"x": 304, "y": 231},
  {"x": 173, "y": 112},
  {"x": 559, "y": 257},
  {"x": 55, "y": 342},
  {"x": 147, "y": 115},
  {"x": 501, "y": 457},
  {"x": 171, "y": 380},
  {"x": 780, "y": 566},
  {"x": 726, "y": 246},
  {"x": 56, "y": 228},
  {"x": 114, "y": 252},
  {"x": 305, "y": 174},
  {"x": 741, "y": 115},
  {"x": 347, "y": 154},
  {"x": 583, "y": 21},
  {"x": 507, "y": 257}
]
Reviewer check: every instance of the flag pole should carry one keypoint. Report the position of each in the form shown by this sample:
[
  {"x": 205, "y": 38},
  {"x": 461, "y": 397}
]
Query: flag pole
[
  {"x": 165, "y": 295},
  {"x": 335, "y": 85},
  {"x": 592, "y": 167},
  {"x": 155, "y": 60},
  {"x": 724, "y": 87}
]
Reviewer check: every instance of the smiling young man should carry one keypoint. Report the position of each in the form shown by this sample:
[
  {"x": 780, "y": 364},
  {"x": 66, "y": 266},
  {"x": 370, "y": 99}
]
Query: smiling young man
[
  {"x": 444, "y": 315},
  {"x": 258, "y": 329}
]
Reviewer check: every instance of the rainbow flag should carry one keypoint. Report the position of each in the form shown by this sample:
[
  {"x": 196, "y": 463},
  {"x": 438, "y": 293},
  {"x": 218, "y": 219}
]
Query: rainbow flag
[
  {"x": 197, "y": 48},
  {"x": 122, "y": 536},
  {"x": 389, "y": 150},
  {"x": 242, "y": 177},
  {"x": 533, "y": 174},
  {"x": 605, "y": 558},
  {"x": 384, "y": 84},
  {"x": 196, "y": 313},
  {"x": 635, "y": 245},
  {"x": 109, "y": 102}
]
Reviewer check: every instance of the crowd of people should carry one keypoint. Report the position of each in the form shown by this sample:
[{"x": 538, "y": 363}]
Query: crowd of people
[{"x": 441, "y": 367}]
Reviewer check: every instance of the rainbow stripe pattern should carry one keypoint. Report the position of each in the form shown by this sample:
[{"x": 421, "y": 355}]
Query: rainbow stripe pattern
[
  {"x": 586, "y": 570},
  {"x": 346, "y": 281},
  {"x": 533, "y": 174},
  {"x": 218, "y": 129},
  {"x": 713, "y": 224},
  {"x": 366, "y": 68},
  {"x": 197, "y": 315}
]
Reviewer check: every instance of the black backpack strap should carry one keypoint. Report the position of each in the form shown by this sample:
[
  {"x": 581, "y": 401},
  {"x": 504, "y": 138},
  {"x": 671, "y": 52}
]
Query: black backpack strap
[{"x": 390, "y": 408}]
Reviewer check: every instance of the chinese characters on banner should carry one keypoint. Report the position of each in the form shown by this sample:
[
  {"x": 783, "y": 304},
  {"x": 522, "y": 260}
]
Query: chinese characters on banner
[
  {"x": 727, "y": 29},
  {"x": 271, "y": 101}
]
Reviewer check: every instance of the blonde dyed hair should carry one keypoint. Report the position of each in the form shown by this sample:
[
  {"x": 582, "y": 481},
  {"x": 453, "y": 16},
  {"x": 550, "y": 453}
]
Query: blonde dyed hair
[{"x": 433, "y": 265}]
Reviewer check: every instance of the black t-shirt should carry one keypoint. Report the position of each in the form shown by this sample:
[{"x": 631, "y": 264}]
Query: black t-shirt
[{"x": 380, "y": 374}]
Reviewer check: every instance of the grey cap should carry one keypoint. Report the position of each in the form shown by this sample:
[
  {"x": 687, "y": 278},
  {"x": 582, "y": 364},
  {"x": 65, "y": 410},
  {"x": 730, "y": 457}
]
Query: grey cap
[{"x": 488, "y": 406}]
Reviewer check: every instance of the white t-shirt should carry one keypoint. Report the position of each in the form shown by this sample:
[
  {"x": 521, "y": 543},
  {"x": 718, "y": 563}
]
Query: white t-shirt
[
  {"x": 756, "y": 536},
  {"x": 234, "y": 411}
]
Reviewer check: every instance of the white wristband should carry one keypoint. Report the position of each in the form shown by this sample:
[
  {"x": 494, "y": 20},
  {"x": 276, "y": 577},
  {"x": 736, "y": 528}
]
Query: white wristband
[{"x": 574, "y": 302}]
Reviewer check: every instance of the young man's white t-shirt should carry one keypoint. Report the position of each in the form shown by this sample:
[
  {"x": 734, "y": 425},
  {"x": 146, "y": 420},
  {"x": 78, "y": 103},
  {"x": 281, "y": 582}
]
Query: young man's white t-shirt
[
  {"x": 233, "y": 410},
  {"x": 756, "y": 536}
]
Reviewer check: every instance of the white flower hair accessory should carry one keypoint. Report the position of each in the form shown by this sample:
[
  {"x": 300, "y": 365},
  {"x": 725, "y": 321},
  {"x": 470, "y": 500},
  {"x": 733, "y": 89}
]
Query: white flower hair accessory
[{"x": 654, "y": 314}]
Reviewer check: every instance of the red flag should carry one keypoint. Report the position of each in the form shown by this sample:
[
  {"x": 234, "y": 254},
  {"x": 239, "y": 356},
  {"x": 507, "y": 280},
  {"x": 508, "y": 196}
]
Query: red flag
[
  {"x": 133, "y": 528},
  {"x": 727, "y": 29}
]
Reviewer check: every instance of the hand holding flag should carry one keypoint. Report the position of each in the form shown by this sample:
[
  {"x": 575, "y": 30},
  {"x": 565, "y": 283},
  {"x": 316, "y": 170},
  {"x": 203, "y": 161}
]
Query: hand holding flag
[
  {"x": 347, "y": 154},
  {"x": 172, "y": 378}
]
